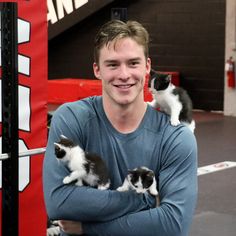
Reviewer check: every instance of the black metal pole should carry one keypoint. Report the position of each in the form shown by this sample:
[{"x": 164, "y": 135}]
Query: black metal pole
[{"x": 10, "y": 182}]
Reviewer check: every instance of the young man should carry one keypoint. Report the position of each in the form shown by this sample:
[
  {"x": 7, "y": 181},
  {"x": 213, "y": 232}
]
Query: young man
[{"x": 126, "y": 133}]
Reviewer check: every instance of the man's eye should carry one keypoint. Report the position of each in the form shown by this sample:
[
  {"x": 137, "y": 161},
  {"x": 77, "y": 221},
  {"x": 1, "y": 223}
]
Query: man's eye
[
  {"x": 134, "y": 63},
  {"x": 112, "y": 65}
]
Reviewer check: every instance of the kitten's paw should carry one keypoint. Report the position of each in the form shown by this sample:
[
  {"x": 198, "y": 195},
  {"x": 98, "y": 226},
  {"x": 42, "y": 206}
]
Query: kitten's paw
[
  {"x": 140, "y": 190},
  {"x": 154, "y": 192},
  {"x": 121, "y": 189},
  {"x": 174, "y": 122},
  {"x": 152, "y": 104},
  {"x": 104, "y": 186},
  {"x": 66, "y": 180},
  {"x": 54, "y": 231}
]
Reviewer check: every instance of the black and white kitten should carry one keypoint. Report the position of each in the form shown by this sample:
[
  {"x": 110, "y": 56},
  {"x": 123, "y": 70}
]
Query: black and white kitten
[
  {"x": 86, "y": 168},
  {"x": 172, "y": 100},
  {"x": 141, "y": 180}
]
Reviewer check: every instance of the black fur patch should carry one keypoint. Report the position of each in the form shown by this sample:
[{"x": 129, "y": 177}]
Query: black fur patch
[
  {"x": 146, "y": 176},
  {"x": 186, "y": 112},
  {"x": 98, "y": 166},
  {"x": 161, "y": 81},
  {"x": 60, "y": 153},
  {"x": 66, "y": 142}
]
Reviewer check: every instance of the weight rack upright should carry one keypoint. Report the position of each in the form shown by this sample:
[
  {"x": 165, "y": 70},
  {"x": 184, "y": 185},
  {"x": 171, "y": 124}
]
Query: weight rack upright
[{"x": 10, "y": 136}]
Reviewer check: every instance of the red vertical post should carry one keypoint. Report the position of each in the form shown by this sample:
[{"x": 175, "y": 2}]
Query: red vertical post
[{"x": 32, "y": 108}]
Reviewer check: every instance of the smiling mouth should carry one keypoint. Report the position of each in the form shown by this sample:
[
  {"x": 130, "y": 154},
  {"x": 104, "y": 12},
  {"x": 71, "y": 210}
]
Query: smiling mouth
[{"x": 124, "y": 86}]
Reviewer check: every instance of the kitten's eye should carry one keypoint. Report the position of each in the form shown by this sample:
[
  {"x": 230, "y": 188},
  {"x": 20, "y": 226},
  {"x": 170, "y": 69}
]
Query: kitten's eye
[
  {"x": 134, "y": 178},
  {"x": 150, "y": 179},
  {"x": 135, "y": 175},
  {"x": 148, "y": 182}
]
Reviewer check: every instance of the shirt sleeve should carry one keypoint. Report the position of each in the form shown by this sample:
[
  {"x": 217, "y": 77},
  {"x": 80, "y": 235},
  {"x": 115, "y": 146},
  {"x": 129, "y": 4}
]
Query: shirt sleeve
[
  {"x": 178, "y": 195},
  {"x": 81, "y": 203}
]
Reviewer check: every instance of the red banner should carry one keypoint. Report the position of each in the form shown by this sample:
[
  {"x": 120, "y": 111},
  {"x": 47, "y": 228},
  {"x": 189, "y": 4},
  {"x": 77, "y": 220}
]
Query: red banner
[{"x": 32, "y": 68}]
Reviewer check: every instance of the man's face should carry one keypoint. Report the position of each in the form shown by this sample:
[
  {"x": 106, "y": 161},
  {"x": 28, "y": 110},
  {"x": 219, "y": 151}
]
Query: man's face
[{"x": 122, "y": 68}]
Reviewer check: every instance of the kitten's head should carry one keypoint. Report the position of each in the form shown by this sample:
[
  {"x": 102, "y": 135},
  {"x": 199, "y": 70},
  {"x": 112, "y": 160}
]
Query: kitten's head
[
  {"x": 158, "y": 81},
  {"x": 63, "y": 148},
  {"x": 141, "y": 178}
]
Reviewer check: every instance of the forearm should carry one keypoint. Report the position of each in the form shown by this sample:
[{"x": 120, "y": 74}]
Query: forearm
[
  {"x": 156, "y": 222},
  {"x": 87, "y": 204},
  {"x": 170, "y": 219}
]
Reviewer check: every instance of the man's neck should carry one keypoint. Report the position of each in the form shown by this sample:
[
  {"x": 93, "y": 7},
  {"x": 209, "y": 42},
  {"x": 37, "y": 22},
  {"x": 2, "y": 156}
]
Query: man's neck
[{"x": 125, "y": 118}]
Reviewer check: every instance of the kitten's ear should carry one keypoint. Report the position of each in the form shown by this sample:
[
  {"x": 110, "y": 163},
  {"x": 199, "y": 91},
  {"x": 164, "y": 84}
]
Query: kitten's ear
[
  {"x": 152, "y": 72},
  {"x": 151, "y": 174},
  {"x": 131, "y": 171},
  {"x": 169, "y": 78},
  {"x": 63, "y": 136},
  {"x": 57, "y": 145}
]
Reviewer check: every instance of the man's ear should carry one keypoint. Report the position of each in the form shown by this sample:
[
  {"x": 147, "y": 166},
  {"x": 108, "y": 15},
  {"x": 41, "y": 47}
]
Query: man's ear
[
  {"x": 148, "y": 69},
  {"x": 148, "y": 66},
  {"x": 96, "y": 70}
]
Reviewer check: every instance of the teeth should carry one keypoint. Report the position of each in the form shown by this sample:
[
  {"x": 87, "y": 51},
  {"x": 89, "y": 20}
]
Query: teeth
[{"x": 123, "y": 86}]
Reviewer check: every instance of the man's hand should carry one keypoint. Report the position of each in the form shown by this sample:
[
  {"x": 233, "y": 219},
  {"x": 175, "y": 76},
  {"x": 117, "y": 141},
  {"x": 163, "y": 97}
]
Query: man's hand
[{"x": 71, "y": 227}]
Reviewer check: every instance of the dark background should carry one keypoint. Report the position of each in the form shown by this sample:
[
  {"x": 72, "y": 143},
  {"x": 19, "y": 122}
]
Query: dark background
[{"x": 187, "y": 36}]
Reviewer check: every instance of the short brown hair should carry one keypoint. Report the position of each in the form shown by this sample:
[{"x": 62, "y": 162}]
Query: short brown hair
[{"x": 115, "y": 30}]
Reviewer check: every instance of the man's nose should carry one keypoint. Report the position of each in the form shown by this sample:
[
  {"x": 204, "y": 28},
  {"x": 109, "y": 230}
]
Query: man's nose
[{"x": 124, "y": 72}]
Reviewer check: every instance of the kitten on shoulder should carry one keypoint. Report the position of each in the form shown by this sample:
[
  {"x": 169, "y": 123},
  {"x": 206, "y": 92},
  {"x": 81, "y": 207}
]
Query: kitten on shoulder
[{"x": 172, "y": 100}]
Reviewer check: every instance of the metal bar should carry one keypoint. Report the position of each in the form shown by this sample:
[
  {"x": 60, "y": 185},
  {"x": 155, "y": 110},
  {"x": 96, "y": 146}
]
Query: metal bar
[
  {"x": 10, "y": 136},
  {"x": 30, "y": 152}
]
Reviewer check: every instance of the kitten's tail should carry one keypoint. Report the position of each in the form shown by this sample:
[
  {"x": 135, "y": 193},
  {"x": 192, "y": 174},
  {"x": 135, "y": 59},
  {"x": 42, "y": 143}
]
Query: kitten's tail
[{"x": 191, "y": 125}]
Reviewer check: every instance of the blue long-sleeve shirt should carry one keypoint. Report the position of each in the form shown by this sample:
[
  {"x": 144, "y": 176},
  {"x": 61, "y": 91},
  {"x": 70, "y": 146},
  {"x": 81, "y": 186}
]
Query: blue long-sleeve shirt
[{"x": 170, "y": 151}]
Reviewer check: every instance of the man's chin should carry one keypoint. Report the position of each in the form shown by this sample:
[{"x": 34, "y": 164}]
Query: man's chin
[{"x": 124, "y": 102}]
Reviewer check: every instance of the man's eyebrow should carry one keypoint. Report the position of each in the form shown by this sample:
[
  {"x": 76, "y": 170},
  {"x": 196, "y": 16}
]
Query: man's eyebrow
[
  {"x": 110, "y": 61},
  {"x": 114, "y": 61},
  {"x": 135, "y": 59}
]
